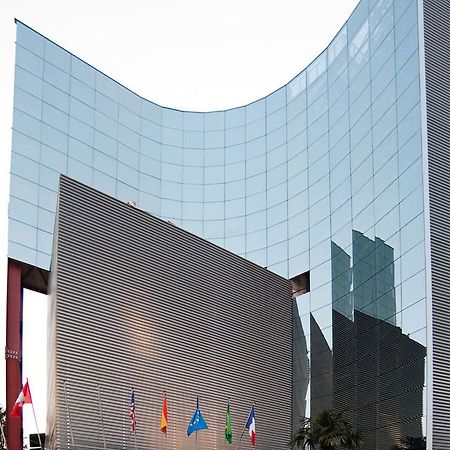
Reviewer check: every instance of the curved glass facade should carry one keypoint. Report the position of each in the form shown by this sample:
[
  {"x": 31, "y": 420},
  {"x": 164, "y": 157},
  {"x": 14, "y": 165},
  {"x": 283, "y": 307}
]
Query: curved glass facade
[{"x": 323, "y": 176}]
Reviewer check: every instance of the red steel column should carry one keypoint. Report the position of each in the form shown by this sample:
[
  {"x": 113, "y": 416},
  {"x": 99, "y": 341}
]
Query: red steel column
[{"x": 13, "y": 353}]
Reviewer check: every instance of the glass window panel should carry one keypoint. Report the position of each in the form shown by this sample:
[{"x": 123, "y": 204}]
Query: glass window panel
[
  {"x": 128, "y": 118},
  {"x": 171, "y": 172},
  {"x": 22, "y": 233},
  {"x": 405, "y": 20},
  {"x": 193, "y": 139},
  {"x": 277, "y": 194},
  {"x": 214, "y": 210},
  {"x": 298, "y": 224},
  {"x": 53, "y": 158},
  {"x": 193, "y": 175},
  {"x": 214, "y": 174},
  {"x": 26, "y": 37},
  {"x": 276, "y": 120},
  {"x": 57, "y": 56},
  {"x": 214, "y": 139},
  {"x": 296, "y": 126},
  {"x": 126, "y": 193},
  {"x": 128, "y": 137},
  {"x": 107, "y": 86},
  {"x": 255, "y": 222},
  {"x": 409, "y": 126},
  {"x": 234, "y": 189},
  {"x": 86, "y": 94},
  {"x": 234, "y": 172},
  {"x": 276, "y": 176},
  {"x": 235, "y": 117},
  {"x": 129, "y": 99},
  {"x": 193, "y": 121},
  {"x": 127, "y": 174},
  {"x": 172, "y": 154},
  {"x": 106, "y": 105},
  {"x": 234, "y": 136},
  {"x": 56, "y": 118},
  {"x": 55, "y": 97},
  {"x": 47, "y": 198},
  {"x": 214, "y": 229},
  {"x": 255, "y": 129},
  {"x": 104, "y": 183},
  {"x": 79, "y": 171},
  {"x": 298, "y": 244},
  {"x": 276, "y": 233},
  {"x": 128, "y": 156},
  {"x": 413, "y": 289},
  {"x": 28, "y": 82},
  {"x": 151, "y": 112},
  {"x": 277, "y": 253},
  {"x": 150, "y": 203},
  {"x": 298, "y": 183},
  {"x": 414, "y": 317},
  {"x": 46, "y": 220},
  {"x": 411, "y": 205},
  {"x": 214, "y": 192},
  {"x": 82, "y": 71},
  {"x": 81, "y": 111},
  {"x": 256, "y": 110},
  {"x": 258, "y": 257},
  {"x": 276, "y": 157},
  {"x": 277, "y": 214},
  {"x": 171, "y": 190},
  {"x": 81, "y": 152},
  {"x": 44, "y": 241},
  {"x": 413, "y": 261},
  {"x": 29, "y": 61},
  {"x": 235, "y": 153},
  {"x": 149, "y": 184},
  {"x": 235, "y": 208},
  {"x": 410, "y": 179},
  {"x": 172, "y": 136},
  {"x": 172, "y": 118},
  {"x": 106, "y": 125},
  {"x": 192, "y": 210},
  {"x": 105, "y": 144},
  {"x": 80, "y": 131},
  {"x": 214, "y": 120},
  {"x": 406, "y": 47},
  {"x": 27, "y": 103},
  {"x": 256, "y": 241},
  {"x": 193, "y": 192},
  {"x": 276, "y": 139},
  {"x": 296, "y": 87},
  {"x": 408, "y": 72},
  {"x": 22, "y": 211},
  {"x": 24, "y": 167},
  {"x": 256, "y": 203},
  {"x": 56, "y": 77},
  {"x": 235, "y": 226},
  {"x": 105, "y": 164},
  {"x": 235, "y": 244},
  {"x": 255, "y": 148}
]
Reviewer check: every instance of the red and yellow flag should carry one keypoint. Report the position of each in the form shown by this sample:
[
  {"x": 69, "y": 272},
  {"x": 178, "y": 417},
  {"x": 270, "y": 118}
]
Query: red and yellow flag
[{"x": 164, "y": 416}]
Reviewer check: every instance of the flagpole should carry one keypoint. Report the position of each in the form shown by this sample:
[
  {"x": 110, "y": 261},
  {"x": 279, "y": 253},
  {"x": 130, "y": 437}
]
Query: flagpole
[
  {"x": 37, "y": 429},
  {"x": 240, "y": 439},
  {"x": 101, "y": 416}
]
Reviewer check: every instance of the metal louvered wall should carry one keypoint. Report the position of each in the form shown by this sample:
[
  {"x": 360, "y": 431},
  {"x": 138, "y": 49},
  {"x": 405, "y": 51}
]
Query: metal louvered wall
[
  {"x": 437, "y": 73},
  {"x": 140, "y": 303}
]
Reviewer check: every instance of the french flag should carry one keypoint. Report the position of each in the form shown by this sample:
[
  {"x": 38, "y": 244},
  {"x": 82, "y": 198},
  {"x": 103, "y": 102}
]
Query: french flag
[{"x": 251, "y": 426}]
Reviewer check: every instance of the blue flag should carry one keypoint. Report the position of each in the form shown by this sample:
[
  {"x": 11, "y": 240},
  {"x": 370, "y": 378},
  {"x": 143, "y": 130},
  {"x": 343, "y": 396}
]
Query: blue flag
[{"x": 197, "y": 422}]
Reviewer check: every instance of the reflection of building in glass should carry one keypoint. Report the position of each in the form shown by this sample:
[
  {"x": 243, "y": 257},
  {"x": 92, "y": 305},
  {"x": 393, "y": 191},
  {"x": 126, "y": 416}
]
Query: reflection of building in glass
[
  {"x": 356, "y": 141},
  {"x": 371, "y": 370}
]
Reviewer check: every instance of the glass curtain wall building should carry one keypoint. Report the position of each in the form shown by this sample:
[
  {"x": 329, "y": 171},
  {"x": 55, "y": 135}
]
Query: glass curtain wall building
[{"x": 326, "y": 176}]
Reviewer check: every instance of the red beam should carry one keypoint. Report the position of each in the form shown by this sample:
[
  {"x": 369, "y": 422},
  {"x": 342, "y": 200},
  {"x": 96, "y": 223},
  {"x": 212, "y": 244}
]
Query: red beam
[{"x": 13, "y": 353}]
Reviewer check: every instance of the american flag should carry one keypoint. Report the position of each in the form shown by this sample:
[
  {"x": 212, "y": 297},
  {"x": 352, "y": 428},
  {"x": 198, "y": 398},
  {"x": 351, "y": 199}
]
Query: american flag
[{"x": 132, "y": 413}]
